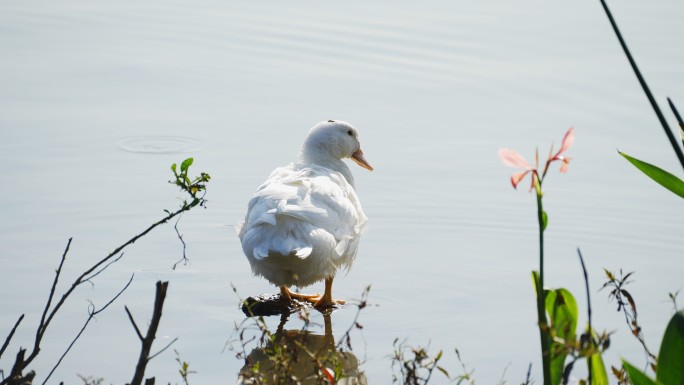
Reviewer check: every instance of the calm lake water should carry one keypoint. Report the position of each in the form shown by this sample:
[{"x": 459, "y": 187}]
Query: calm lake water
[{"x": 97, "y": 99}]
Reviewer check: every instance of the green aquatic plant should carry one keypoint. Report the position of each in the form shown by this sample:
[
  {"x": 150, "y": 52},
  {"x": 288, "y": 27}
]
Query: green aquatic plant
[
  {"x": 184, "y": 368},
  {"x": 557, "y": 310},
  {"x": 669, "y": 365},
  {"x": 664, "y": 178},
  {"x": 670, "y": 370},
  {"x": 195, "y": 187},
  {"x": 627, "y": 306},
  {"x": 647, "y": 91},
  {"x": 416, "y": 365},
  {"x": 512, "y": 158},
  {"x": 566, "y": 347}
]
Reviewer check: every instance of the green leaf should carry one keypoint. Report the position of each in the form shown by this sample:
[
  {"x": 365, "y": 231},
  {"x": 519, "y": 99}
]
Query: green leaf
[
  {"x": 637, "y": 376},
  {"x": 667, "y": 180},
  {"x": 186, "y": 164},
  {"x": 535, "y": 281},
  {"x": 545, "y": 220},
  {"x": 562, "y": 310},
  {"x": 671, "y": 357},
  {"x": 599, "y": 375},
  {"x": 173, "y": 168}
]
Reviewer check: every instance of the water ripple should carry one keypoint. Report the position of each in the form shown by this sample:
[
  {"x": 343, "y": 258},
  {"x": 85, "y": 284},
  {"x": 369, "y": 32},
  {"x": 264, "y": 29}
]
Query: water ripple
[{"x": 159, "y": 144}]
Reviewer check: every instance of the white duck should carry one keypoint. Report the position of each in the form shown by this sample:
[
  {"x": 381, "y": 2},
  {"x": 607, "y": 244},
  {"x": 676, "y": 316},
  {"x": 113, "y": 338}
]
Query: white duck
[{"x": 304, "y": 222}]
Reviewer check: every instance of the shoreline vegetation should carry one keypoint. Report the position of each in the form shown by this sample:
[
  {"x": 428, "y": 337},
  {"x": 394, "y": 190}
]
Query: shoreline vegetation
[
  {"x": 300, "y": 356},
  {"x": 20, "y": 373}
]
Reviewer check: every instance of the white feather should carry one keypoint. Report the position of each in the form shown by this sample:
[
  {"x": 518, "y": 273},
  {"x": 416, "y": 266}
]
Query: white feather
[{"x": 304, "y": 222}]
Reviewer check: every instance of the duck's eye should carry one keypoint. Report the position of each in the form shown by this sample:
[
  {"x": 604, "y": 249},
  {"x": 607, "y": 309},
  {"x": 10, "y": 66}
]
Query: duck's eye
[{"x": 350, "y": 133}]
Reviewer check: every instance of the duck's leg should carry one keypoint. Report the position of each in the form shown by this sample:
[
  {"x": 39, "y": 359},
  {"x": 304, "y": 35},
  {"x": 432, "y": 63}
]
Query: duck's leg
[
  {"x": 326, "y": 299},
  {"x": 287, "y": 295}
]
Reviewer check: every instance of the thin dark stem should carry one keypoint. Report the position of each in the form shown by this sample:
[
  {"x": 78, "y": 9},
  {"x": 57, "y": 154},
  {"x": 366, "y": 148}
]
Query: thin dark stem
[
  {"x": 627, "y": 305},
  {"x": 9, "y": 336},
  {"x": 91, "y": 315},
  {"x": 645, "y": 87},
  {"x": 95, "y": 274},
  {"x": 135, "y": 326},
  {"x": 673, "y": 298},
  {"x": 430, "y": 370},
  {"x": 528, "y": 378},
  {"x": 346, "y": 337},
  {"x": 115, "y": 297},
  {"x": 586, "y": 285},
  {"x": 43, "y": 324},
  {"x": 679, "y": 119},
  {"x": 163, "y": 349},
  {"x": 541, "y": 298}
]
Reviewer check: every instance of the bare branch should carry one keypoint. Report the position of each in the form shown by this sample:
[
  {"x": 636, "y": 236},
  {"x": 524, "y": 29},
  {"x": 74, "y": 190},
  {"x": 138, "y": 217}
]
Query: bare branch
[
  {"x": 20, "y": 362},
  {"x": 160, "y": 296},
  {"x": 43, "y": 323},
  {"x": 163, "y": 349},
  {"x": 11, "y": 333},
  {"x": 17, "y": 367},
  {"x": 82, "y": 278},
  {"x": 91, "y": 315},
  {"x": 116, "y": 296},
  {"x": 135, "y": 326},
  {"x": 197, "y": 190},
  {"x": 95, "y": 274}
]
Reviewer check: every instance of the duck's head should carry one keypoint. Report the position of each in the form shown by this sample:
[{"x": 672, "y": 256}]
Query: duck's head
[{"x": 333, "y": 140}]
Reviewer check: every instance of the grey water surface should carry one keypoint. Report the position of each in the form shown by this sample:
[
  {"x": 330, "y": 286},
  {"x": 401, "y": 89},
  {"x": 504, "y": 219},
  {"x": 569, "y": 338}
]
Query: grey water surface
[{"x": 98, "y": 98}]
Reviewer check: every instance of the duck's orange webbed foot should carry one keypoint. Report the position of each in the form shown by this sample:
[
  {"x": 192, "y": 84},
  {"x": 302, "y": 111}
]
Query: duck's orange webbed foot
[
  {"x": 287, "y": 295},
  {"x": 324, "y": 303},
  {"x": 326, "y": 300}
]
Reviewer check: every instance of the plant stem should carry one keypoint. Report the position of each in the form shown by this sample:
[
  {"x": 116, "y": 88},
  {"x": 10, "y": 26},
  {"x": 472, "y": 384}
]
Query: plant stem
[
  {"x": 679, "y": 119},
  {"x": 644, "y": 86},
  {"x": 541, "y": 298},
  {"x": 590, "y": 330}
]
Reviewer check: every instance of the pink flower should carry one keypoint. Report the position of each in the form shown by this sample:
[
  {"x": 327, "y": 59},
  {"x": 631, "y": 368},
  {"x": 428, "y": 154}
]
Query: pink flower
[
  {"x": 568, "y": 140},
  {"x": 513, "y": 159}
]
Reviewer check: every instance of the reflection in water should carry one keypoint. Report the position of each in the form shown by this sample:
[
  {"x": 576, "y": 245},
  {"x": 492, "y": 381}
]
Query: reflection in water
[{"x": 301, "y": 357}]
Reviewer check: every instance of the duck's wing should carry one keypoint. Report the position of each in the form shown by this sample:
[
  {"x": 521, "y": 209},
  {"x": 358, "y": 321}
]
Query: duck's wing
[
  {"x": 344, "y": 218},
  {"x": 316, "y": 198}
]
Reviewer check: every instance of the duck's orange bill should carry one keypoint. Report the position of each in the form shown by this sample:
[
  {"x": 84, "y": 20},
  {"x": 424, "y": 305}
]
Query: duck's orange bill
[{"x": 357, "y": 157}]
